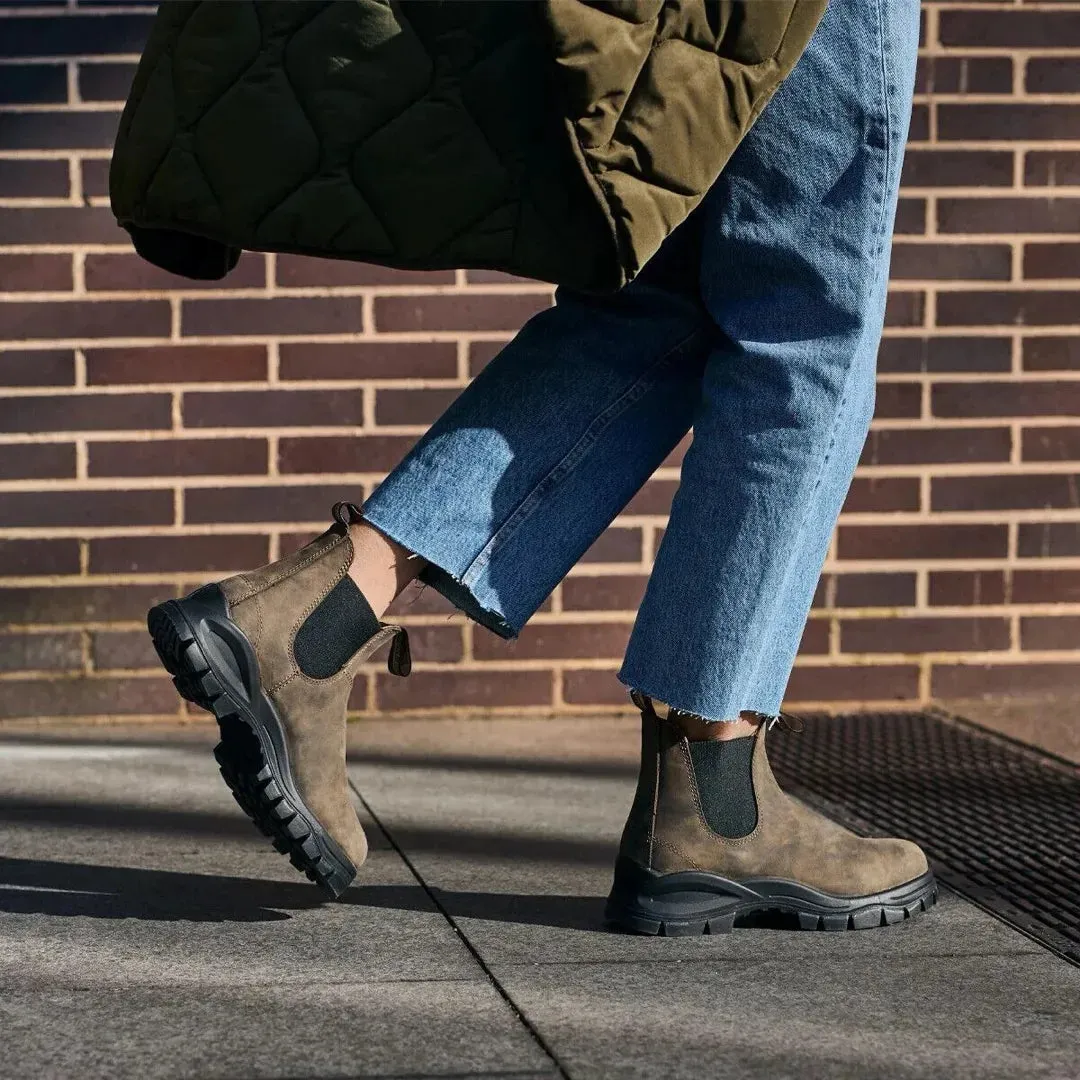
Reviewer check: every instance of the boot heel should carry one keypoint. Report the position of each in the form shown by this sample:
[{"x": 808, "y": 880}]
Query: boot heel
[
  {"x": 214, "y": 666},
  {"x": 671, "y": 905}
]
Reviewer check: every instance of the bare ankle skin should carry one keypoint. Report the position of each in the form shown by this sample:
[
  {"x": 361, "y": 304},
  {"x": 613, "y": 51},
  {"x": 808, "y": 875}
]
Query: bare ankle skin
[
  {"x": 696, "y": 729},
  {"x": 381, "y": 568}
]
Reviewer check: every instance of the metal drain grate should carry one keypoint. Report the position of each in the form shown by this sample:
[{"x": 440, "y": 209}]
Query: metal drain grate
[{"x": 1000, "y": 822}]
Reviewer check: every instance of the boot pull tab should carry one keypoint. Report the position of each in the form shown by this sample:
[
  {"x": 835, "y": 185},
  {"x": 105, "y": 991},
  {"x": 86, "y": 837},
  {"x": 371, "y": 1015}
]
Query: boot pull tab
[
  {"x": 643, "y": 702},
  {"x": 788, "y": 721},
  {"x": 400, "y": 660},
  {"x": 345, "y": 513}
]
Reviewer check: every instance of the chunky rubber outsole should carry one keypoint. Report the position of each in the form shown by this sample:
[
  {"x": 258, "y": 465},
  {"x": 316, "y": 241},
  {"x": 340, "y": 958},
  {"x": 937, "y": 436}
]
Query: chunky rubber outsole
[
  {"x": 214, "y": 667},
  {"x": 696, "y": 902}
]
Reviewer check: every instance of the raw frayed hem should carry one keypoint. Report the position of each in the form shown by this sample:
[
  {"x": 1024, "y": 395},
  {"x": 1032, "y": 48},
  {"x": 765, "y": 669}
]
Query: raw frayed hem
[
  {"x": 444, "y": 583},
  {"x": 463, "y": 599},
  {"x": 674, "y": 710}
]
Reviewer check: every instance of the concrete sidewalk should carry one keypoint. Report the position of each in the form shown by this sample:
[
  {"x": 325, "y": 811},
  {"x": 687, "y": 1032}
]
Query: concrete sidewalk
[{"x": 147, "y": 930}]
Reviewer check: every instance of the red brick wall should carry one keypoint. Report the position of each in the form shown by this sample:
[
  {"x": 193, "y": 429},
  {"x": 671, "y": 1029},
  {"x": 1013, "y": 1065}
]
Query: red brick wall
[{"x": 956, "y": 567}]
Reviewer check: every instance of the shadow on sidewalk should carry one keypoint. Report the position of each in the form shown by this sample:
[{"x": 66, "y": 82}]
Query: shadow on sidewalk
[
  {"x": 31, "y": 886},
  {"x": 64, "y": 889}
]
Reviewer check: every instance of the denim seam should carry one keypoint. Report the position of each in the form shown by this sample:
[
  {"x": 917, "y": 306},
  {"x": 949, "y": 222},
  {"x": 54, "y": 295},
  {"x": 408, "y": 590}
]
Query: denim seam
[
  {"x": 884, "y": 188},
  {"x": 571, "y": 459}
]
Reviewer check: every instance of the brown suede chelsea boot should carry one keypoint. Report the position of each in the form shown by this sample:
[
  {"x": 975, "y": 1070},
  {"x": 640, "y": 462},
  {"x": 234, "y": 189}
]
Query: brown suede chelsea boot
[
  {"x": 273, "y": 654},
  {"x": 711, "y": 837}
]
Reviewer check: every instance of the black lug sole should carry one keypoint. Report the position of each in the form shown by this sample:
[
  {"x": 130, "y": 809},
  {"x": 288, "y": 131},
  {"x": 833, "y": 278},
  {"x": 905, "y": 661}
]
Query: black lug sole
[
  {"x": 695, "y": 902},
  {"x": 214, "y": 667}
]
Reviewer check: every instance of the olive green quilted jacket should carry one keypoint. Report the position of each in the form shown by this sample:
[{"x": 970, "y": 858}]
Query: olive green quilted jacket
[{"x": 555, "y": 139}]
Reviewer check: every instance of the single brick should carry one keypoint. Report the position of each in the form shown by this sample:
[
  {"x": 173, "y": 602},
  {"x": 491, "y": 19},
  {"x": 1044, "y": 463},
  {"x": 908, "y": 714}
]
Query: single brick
[
  {"x": 301, "y": 271},
  {"x": 1050, "y": 353},
  {"x": 984, "y": 28},
  {"x": 857, "y": 590},
  {"x": 556, "y": 641},
  {"x": 33, "y": 84},
  {"x": 86, "y": 412},
  {"x": 41, "y": 652},
  {"x": 905, "y": 308},
  {"x": 898, "y": 401},
  {"x": 272, "y": 315},
  {"x": 417, "y": 408},
  {"x": 19, "y": 558},
  {"x": 83, "y": 318},
  {"x": 1045, "y": 586},
  {"x": 123, "y": 650},
  {"x": 1050, "y": 632},
  {"x": 63, "y": 129},
  {"x": 478, "y": 689},
  {"x": 37, "y": 461},
  {"x": 1033, "y": 491},
  {"x": 179, "y": 457},
  {"x": 177, "y": 554},
  {"x": 368, "y": 360},
  {"x": 654, "y": 497},
  {"x": 466, "y": 311},
  {"x": 1029, "y": 307},
  {"x": 273, "y": 408},
  {"x": 44, "y": 604},
  {"x": 922, "y": 541},
  {"x": 919, "y": 124},
  {"x": 1051, "y": 260},
  {"x": 815, "y": 638},
  {"x": 35, "y": 272},
  {"x": 131, "y": 272},
  {"x": 1050, "y": 443},
  {"x": 37, "y": 367},
  {"x": 986, "y": 680},
  {"x": 853, "y": 682},
  {"x": 342, "y": 454},
  {"x": 945, "y": 262},
  {"x": 675, "y": 459},
  {"x": 87, "y": 697},
  {"x": 609, "y": 592},
  {"x": 588, "y": 686},
  {"x": 964, "y": 75},
  {"x": 113, "y": 366},
  {"x": 50, "y": 508},
  {"x": 70, "y": 225},
  {"x": 950, "y": 588},
  {"x": 915, "y": 446},
  {"x": 910, "y": 217},
  {"x": 105, "y": 81},
  {"x": 882, "y": 494},
  {"x": 1005, "y": 398},
  {"x": 95, "y": 176},
  {"x": 1032, "y": 122},
  {"x": 1052, "y": 168},
  {"x": 999, "y": 214},
  {"x": 71, "y": 34},
  {"x": 1046, "y": 539},
  {"x": 616, "y": 544},
  {"x": 481, "y": 353},
  {"x": 285, "y": 504},
  {"x": 923, "y": 635},
  {"x": 23, "y": 178},
  {"x": 957, "y": 168}
]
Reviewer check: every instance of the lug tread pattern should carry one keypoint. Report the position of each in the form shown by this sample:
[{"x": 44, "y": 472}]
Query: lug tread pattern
[
  {"x": 869, "y": 917},
  {"x": 240, "y": 757}
]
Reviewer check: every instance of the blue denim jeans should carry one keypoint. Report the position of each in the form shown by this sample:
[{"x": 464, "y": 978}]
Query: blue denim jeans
[{"x": 757, "y": 325}]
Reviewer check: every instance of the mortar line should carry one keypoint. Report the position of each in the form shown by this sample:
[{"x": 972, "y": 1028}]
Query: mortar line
[{"x": 441, "y": 908}]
